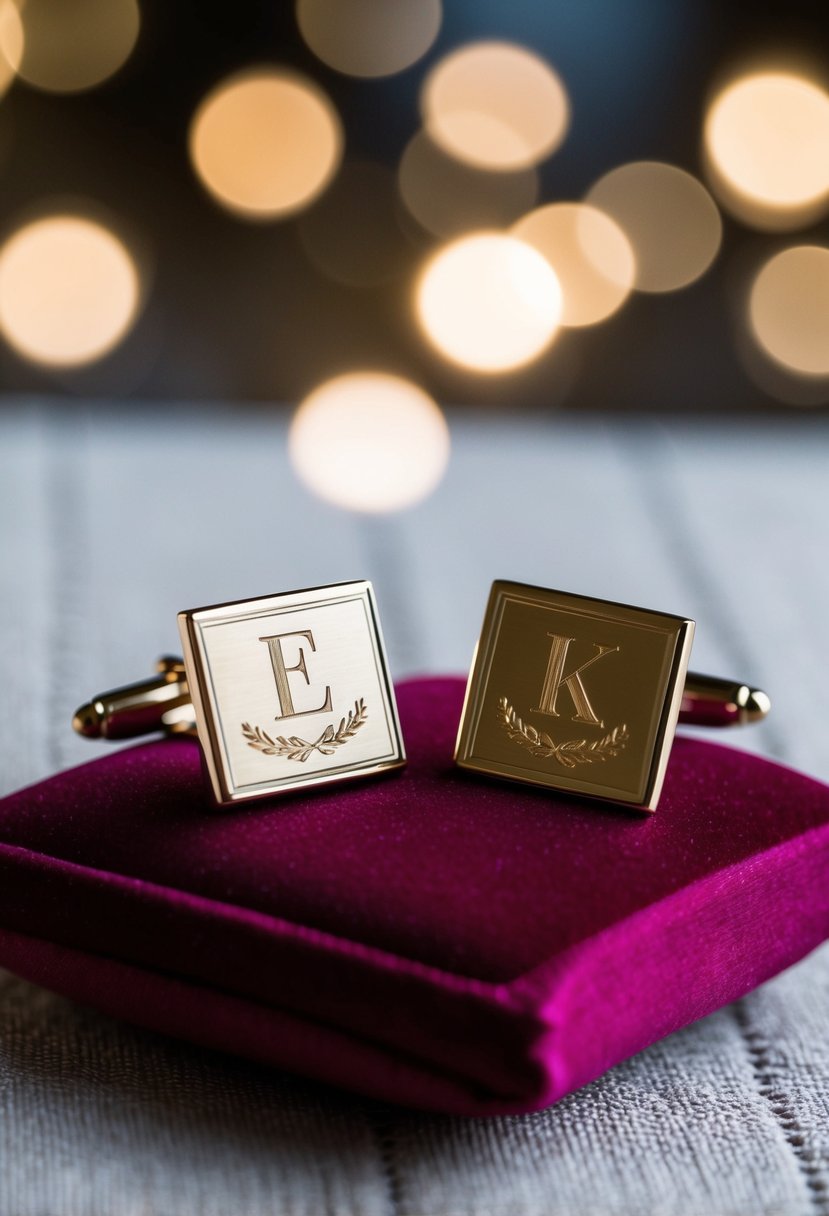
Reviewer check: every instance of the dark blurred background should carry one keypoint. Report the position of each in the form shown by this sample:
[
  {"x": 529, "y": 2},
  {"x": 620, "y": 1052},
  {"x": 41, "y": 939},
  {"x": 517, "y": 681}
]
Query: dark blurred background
[{"x": 255, "y": 309}]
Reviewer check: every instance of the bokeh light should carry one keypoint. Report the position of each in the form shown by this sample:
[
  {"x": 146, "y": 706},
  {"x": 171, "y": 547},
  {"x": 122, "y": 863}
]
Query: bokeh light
[
  {"x": 448, "y": 197},
  {"x": 69, "y": 290},
  {"x": 266, "y": 143},
  {"x": 369, "y": 37},
  {"x": 767, "y": 149},
  {"x": 370, "y": 442},
  {"x": 352, "y": 234},
  {"x": 669, "y": 218},
  {"x": 72, "y": 45},
  {"x": 489, "y": 302},
  {"x": 11, "y": 43},
  {"x": 495, "y": 105},
  {"x": 777, "y": 381},
  {"x": 590, "y": 254},
  {"x": 789, "y": 309}
]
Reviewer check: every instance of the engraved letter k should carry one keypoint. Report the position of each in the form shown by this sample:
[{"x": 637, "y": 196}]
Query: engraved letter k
[{"x": 555, "y": 677}]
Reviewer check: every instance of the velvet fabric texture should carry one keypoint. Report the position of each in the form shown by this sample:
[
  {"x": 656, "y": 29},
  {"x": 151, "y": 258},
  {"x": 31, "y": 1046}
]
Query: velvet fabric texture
[{"x": 428, "y": 937}]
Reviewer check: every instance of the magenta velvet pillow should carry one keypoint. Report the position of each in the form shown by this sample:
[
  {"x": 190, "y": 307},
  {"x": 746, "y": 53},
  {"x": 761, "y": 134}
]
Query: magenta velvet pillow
[{"x": 430, "y": 938}]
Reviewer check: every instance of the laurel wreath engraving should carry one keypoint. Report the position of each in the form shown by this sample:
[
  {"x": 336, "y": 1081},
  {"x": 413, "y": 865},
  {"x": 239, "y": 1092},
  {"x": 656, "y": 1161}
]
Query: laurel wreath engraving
[
  {"x": 569, "y": 753},
  {"x": 294, "y": 748}
]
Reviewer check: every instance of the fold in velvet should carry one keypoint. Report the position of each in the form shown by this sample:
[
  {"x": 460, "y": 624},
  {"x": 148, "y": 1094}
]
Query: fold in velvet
[{"x": 430, "y": 937}]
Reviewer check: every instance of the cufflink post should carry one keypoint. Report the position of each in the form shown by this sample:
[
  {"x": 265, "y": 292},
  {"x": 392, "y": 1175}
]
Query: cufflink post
[
  {"x": 711, "y": 701},
  {"x": 163, "y": 703},
  {"x": 160, "y": 703}
]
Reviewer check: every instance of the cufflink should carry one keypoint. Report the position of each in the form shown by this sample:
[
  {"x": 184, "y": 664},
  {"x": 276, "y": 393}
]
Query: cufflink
[
  {"x": 283, "y": 692},
  {"x": 583, "y": 696}
]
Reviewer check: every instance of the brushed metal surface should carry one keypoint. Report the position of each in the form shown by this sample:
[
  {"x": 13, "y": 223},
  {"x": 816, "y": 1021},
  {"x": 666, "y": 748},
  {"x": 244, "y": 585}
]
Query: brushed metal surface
[
  {"x": 291, "y": 690},
  {"x": 574, "y": 694}
]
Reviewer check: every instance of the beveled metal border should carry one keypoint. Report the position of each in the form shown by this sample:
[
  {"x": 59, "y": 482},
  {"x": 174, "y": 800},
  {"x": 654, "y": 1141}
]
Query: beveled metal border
[
  {"x": 681, "y": 629},
  {"x": 191, "y": 624}
]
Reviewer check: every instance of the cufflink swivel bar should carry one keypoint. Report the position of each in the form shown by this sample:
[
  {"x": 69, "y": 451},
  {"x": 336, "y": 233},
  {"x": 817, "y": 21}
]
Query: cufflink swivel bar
[
  {"x": 711, "y": 701},
  {"x": 162, "y": 703}
]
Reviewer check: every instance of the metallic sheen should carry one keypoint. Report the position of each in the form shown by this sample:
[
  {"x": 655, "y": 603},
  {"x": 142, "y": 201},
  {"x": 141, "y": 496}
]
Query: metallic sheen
[
  {"x": 323, "y": 710},
  {"x": 583, "y": 695},
  {"x": 162, "y": 702},
  {"x": 562, "y": 693}
]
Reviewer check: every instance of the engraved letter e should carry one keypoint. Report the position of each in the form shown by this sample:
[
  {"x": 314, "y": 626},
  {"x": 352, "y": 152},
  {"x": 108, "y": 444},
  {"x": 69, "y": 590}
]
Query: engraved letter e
[{"x": 280, "y": 674}]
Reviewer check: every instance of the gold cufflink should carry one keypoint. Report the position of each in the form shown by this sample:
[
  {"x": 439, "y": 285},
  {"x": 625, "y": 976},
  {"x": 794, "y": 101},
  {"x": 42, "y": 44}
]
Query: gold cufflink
[
  {"x": 584, "y": 696},
  {"x": 284, "y": 692}
]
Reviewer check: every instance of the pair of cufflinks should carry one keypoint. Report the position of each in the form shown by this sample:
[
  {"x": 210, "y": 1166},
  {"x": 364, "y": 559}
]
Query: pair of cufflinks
[{"x": 290, "y": 691}]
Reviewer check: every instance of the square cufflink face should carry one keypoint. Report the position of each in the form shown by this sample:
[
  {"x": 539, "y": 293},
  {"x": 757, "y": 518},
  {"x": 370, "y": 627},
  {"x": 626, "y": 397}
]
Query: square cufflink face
[
  {"x": 575, "y": 694},
  {"x": 291, "y": 691}
]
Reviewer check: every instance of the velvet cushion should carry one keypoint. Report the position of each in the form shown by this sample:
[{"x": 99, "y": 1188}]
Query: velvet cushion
[{"x": 431, "y": 937}]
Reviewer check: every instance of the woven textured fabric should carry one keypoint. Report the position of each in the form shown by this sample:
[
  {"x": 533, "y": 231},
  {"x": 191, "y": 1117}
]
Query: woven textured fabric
[{"x": 430, "y": 938}]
